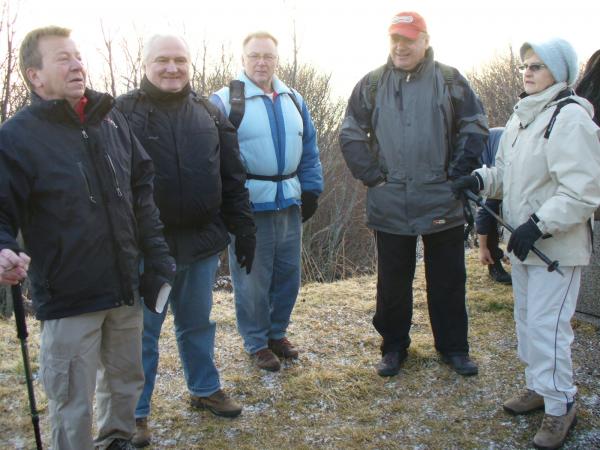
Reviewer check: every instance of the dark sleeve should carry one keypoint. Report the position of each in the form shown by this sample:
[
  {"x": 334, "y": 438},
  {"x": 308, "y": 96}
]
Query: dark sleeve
[
  {"x": 16, "y": 176},
  {"x": 235, "y": 207},
  {"x": 310, "y": 171},
  {"x": 470, "y": 126},
  {"x": 355, "y": 137},
  {"x": 150, "y": 229},
  {"x": 485, "y": 221}
]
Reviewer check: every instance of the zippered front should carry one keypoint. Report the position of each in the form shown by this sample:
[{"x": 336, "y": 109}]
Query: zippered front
[{"x": 87, "y": 182}]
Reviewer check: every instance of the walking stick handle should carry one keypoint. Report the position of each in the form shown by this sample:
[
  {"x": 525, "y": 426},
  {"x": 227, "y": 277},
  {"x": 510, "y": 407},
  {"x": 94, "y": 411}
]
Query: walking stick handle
[{"x": 552, "y": 265}]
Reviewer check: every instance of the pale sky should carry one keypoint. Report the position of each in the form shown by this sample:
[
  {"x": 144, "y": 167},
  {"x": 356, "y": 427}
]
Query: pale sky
[{"x": 345, "y": 38}]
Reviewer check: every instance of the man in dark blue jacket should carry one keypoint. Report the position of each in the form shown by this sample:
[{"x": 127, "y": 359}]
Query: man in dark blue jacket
[
  {"x": 200, "y": 190},
  {"x": 76, "y": 182}
]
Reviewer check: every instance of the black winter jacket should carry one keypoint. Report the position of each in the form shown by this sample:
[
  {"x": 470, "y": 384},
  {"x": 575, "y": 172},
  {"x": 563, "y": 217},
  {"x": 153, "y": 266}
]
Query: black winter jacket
[
  {"x": 200, "y": 180},
  {"x": 82, "y": 196}
]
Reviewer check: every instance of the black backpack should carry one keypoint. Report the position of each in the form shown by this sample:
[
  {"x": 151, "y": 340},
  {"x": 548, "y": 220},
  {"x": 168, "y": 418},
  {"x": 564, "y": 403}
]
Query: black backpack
[{"x": 237, "y": 100}]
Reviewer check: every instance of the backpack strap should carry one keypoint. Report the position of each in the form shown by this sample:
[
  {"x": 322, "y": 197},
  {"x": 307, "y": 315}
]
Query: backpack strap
[
  {"x": 296, "y": 103},
  {"x": 237, "y": 100},
  {"x": 374, "y": 77},
  {"x": 208, "y": 106},
  {"x": 566, "y": 94}
]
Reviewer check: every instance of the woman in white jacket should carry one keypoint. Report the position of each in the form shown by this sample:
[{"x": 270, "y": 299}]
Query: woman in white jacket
[{"x": 548, "y": 174}]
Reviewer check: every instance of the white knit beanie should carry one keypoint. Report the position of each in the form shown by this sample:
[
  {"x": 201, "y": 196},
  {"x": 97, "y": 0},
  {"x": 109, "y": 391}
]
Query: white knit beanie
[{"x": 559, "y": 56}]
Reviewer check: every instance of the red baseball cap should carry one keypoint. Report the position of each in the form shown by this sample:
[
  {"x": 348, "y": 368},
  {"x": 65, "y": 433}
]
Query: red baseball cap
[{"x": 408, "y": 24}]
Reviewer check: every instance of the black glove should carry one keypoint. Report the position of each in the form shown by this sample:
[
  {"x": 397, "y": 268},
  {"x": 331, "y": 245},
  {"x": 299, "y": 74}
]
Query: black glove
[
  {"x": 309, "y": 205},
  {"x": 523, "y": 238},
  {"x": 156, "y": 274},
  {"x": 245, "y": 246},
  {"x": 473, "y": 183}
]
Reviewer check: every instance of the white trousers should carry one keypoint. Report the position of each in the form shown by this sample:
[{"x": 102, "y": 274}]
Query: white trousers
[
  {"x": 544, "y": 305},
  {"x": 100, "y": 350}
]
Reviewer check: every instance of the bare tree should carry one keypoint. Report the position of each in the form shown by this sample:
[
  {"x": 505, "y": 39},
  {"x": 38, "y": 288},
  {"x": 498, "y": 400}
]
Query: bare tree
[
  {"x": 498, "y": 84},
  {"x": 109, "y": 76},
  {"x": 134, "y": 62}
]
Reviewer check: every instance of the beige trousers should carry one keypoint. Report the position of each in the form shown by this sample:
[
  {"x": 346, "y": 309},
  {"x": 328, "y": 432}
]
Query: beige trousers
[{"x": 99, "y": 350}]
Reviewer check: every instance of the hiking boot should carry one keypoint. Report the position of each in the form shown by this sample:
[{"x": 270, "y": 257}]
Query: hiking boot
[
  {"x": 498, "y": 274},
  {"x": 141, "y": 438},
  {"x": 461, "y": 364},
  {"x": 219, "y": 403},
  {"x": 524, "y": 402},
  {"x": 390, "y": 364},
  {"x": 554, "y": 430},
  {"x": 283, "y": 347},
  {"x": 266, "y": 359},
  {"x": 120, "y": 444}
]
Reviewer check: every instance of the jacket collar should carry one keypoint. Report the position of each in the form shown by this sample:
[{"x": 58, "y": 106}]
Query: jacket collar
[
  {"x": 530, "y": 106},
  {"x": 166, "y": 98},
  {"x": 421, "y": 68},
  {"x": 98, "y": 106},
  {"x": 252, "y": 90}
]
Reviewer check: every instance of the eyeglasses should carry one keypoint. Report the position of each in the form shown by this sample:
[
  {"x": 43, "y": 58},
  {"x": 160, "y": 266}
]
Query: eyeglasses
[
  {"x": 534, "y": 67},
  {"x": 268, "y": 57}
]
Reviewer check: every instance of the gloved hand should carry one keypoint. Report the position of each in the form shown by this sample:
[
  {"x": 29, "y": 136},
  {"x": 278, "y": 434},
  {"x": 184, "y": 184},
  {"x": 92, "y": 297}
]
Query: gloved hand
[
  {"x": 245, "y": 245},
  {"x": 473, "y": 183},
  {"x": 309, "y": 205},
  {"x": 523, "y": 238}
]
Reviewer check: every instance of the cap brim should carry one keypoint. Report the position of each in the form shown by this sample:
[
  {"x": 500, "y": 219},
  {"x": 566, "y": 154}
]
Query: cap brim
[{"x": 407, "y": 32}]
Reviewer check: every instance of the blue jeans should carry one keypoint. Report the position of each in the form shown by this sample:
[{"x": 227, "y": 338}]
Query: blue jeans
[
  {"x": 191, "y": 302},
  {"x": 264, "y": 300}
]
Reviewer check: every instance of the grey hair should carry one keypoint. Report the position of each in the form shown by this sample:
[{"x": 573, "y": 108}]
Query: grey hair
[{"x": 152, "y": 40}]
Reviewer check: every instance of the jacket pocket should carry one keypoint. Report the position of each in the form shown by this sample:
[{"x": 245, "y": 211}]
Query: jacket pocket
[{"x": 55, "y": 378}]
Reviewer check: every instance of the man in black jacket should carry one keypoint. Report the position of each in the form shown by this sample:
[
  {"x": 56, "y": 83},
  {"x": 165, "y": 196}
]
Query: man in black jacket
[
  {"x": 76, "y": 182},
  {"x": 200, "y": 190}
]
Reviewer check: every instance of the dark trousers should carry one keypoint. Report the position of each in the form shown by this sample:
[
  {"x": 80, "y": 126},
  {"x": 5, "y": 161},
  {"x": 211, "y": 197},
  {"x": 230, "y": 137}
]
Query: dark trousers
[{"x": 445, "y": 275}]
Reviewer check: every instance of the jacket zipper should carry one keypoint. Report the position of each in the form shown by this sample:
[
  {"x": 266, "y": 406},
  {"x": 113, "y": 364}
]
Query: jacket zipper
[
  {"x": 114, "y": 173},
  {"x": 87, "y": 182}
]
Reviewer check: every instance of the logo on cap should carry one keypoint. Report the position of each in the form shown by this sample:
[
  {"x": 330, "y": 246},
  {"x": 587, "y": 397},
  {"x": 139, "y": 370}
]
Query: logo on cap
[{"x": 403, "y": 19}]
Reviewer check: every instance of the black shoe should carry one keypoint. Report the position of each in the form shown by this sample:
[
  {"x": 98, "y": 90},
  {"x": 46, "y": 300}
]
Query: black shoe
[
  {"x": 121, "y": 444},
  {"x": 461, "y": 364},
  {"x": 498, "y": 274},
  {"x": 390, "y": 364}
]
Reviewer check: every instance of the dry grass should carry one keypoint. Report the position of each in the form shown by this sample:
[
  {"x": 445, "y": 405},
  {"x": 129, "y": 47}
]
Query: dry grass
[{"x": 332, "y": 397}]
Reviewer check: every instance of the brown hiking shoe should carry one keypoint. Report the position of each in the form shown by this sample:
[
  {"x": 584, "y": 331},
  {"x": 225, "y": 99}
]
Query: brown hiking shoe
[
  {"x": 219, "y": 403},
  {"x": 141, "y": 438},
  {"x": 554, "y": 430},
  {"x": 524, "y": 402},
  {"x": 266, "y": 359},
  {"x": 283, "y": 347}
]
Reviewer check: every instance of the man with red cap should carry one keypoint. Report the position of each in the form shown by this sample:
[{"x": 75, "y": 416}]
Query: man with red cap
[{"x": 411, "y": 127}]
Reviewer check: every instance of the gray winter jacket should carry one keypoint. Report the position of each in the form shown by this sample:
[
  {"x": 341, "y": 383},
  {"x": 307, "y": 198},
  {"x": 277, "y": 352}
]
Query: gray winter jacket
[{"x": 425, "y": 128}]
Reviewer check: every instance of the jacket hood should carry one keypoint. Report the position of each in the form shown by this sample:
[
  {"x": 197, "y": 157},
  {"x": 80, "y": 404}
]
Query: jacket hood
[{"x": 98, "y": 106}]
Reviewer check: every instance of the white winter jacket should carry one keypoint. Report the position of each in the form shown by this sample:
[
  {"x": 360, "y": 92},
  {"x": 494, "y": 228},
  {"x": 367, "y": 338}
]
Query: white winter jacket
[{"x": 557, "y": 178}]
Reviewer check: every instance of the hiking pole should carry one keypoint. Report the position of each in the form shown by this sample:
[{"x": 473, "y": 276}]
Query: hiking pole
[
  {"x": 552, "y": 265},
  {"x": 22, "y": 334}
]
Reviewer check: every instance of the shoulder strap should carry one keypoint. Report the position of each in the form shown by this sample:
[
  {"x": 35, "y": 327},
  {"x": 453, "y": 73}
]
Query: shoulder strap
[
  {"x": 208, "y": 106},
  {"x": 447, "y": 72},
  {"x": 296, "y": 103},
  {"x": 237, "y": 100},
  {"x": 374, "y": 77},
  {"x": 566, "y": 94}
]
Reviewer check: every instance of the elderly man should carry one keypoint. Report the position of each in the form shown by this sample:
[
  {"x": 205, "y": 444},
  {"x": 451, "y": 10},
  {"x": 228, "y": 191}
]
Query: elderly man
[
  {"x": 411, "y": 126},
  {"x": 200, "y": 191},
  {"x": 80, "y": 189},
  {"x": 279, "y": 149}
]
